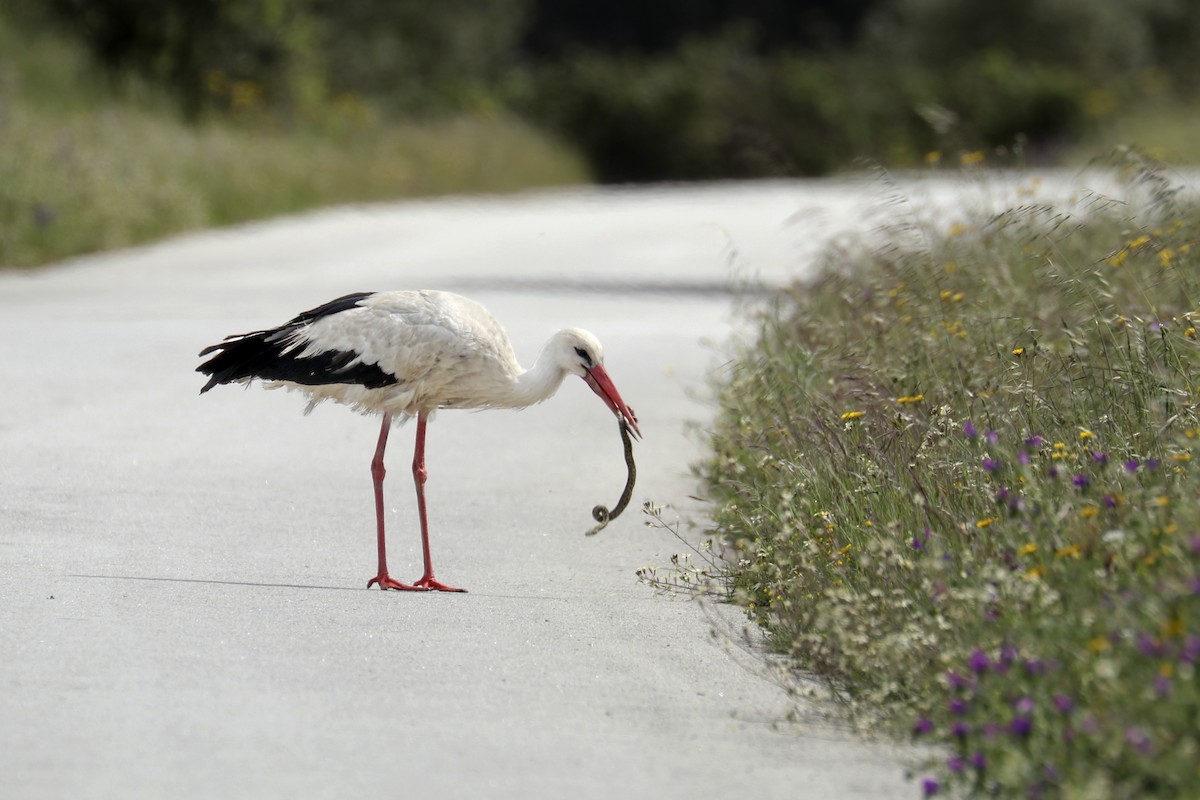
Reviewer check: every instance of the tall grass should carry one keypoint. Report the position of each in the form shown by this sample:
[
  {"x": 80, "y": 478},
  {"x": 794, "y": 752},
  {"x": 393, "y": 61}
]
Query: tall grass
[
  {"x": 86, "y": 165},
  {"x": 961, "y": 482}
]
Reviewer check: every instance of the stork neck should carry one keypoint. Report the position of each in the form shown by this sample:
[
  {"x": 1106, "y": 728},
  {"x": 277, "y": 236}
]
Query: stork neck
[{"x": 541, "y": 380}]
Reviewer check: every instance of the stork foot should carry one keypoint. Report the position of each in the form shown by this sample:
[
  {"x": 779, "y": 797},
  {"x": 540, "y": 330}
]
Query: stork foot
[
  {"x": 433, "y": 584},
  {"x": 385, "y": 582}
]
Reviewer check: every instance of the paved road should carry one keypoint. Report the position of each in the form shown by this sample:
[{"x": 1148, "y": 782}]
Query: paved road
[{"x": 182, "y": 577}]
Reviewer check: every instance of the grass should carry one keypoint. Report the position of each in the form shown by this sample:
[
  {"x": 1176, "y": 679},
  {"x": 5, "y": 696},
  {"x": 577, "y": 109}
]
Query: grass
[
  {"x": 961, "y": 483},
  {"x": 89, "y": 166}
]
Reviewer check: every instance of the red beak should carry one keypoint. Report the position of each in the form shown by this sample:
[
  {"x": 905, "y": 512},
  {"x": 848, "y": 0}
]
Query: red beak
[{"x": 602, "y": 385}]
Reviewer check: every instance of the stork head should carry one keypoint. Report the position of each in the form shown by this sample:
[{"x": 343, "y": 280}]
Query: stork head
[{"x": 580, "y": 353}]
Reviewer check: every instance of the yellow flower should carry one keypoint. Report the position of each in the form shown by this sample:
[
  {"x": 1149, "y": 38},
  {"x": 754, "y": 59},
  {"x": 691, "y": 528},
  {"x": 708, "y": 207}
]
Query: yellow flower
[
  {"x": 849, "y": 415},
  {"x": 910, "y": 398},
  {"x": 1088, "y": 512},
  {"x": 1018, "y": 351},
  {"x": 1070, "y": 551},
  {"x": 1190, "y": 333},
  {"x": 983, "y": 523},
  {"x": 1162, "y": 500},
  {"x": 1098, "y": 645},
  {"x": 972, "y": 158},
  {"x": 1118, "y": 259},
  {"x": 933, "y": 157},
  {"x": 1138, "y": 242},
  {"x": 1027, "y": 549},
  {"x": 1182, "y": 456},
  {"x": 1165, "y": 255},
  {"x": 1085, "y": 434},
  {"x": 1037, "y": 572}
]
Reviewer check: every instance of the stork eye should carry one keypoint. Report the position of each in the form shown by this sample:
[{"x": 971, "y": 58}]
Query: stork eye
[{"x": 587, "y": 360}]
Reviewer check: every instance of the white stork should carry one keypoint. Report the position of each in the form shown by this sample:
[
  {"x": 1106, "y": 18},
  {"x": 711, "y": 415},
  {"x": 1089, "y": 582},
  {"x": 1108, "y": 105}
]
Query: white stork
[{"x": 407, "y": 354}]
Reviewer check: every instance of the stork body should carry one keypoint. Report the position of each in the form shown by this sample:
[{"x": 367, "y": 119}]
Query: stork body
[{"x": 407, "y": 354}]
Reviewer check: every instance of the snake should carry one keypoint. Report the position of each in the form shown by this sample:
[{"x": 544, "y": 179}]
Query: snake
[{"x": 601, "y": 513}]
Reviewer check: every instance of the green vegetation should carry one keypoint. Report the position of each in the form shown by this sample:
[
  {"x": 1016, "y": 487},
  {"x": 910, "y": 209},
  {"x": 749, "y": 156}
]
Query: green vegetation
[
  {"x": 960, "y": 475},
  {"x": 87, "y": 165}
]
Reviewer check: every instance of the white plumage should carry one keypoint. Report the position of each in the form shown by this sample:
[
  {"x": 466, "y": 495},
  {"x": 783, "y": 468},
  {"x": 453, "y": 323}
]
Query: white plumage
[{"x": 407, "y": 354}]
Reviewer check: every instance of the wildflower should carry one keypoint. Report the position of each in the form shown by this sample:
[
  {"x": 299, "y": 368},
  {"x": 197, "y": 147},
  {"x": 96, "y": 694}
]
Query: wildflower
[
  {"x": 1021, "y": 726},
  {"x": 1034, "y": 441},
  {"x": 1060, "y": 446},
  {"x": 1098, "y": 644},
  {"x": 1070, "y": 551},
  {"x": 1052, "y": 471},
  {"x": 1008, "y": 654},
  {"x": 979, "y": 662},
  {"x": 956, "y": 764},
  {"x": 1100, "y": 458},
  {"x": 1027, "y": 549},
  {"x": 922, "y": 726},
  {"x": 1037, "y": 572},
  {"x": 909, "y": 399},
  {"x": 1150, "y": 646},
  {"x": 1064, "y": 703},
  {"x": 917, "y": 543},
  {"x": 992, "y": 437},
  {"x": 979, "y": 761},
  {"x": 960, "y": 730},
  {"x": 1162, "y": 685},
  {"x": 1190, "y": 333},
  {"x": 1111, "y": 501},
  {"x": 991, "y": 464},
  {"x": 1081, "y": 481},
  {"x": 957, "y": 681},
  {"x": 1085, "y": 434},
  {"x": 1035, "y": 666},
  {"x": 1087, "y": 512},
  {"x": 1131, "y": 466},
  {"x": 1194, "y": 544},
  {"x": 1136, "y": 738},
  {"x": 849, "y": 415},
  {"x": 1024, "y": 705},
  {"x": 1151, "y": 463},
  {"x": 957, "y": 706},
  {"x": 1018, "y": 351},
  {"x": 969, "y": 430},
  {"x": 983, "y": 523},
  {"x": 972, "y": 158},
  {"x": 1023, "y": 458},
  {"x": 930, "y": 786},
  {"x": 1165, "y": 255},
  {"x": 933, "y": 157}
]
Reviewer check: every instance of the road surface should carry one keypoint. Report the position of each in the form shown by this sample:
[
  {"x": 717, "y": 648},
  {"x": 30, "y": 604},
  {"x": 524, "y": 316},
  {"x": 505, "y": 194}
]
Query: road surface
[{"x": 183, "y": 577}]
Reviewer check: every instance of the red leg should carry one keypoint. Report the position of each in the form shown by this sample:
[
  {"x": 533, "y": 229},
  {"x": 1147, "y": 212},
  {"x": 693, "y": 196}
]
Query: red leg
[
  {"x": 377, "y": 472},
  {"x": 426, "y": 581}
]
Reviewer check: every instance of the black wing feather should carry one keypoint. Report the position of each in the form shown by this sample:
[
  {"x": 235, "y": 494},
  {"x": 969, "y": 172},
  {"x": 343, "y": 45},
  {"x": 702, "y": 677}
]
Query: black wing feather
[{"x": 268, "y": 355}]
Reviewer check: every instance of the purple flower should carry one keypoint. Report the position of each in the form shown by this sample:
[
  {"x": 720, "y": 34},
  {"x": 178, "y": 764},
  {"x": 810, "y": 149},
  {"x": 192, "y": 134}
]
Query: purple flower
[
  {"x": 1064, "y": 703},
  {"x": 991, "y": 464},
  {"x": 1034, "y": 441},
  {"x": 960, "y": 729},
  {"x": 979, "y": 662},
  {"x": 1081, "y": 481},
  {"x": 979, "y": 761},
  {"x": 1024, "y": 705},
  {"x": 1157, "y": 326},
  {"x": 957, "y": 681},
  {"x": 1136, "y": 738},
  {"x": 1100, "y": 458},
  {"x": 1035, "y": 666},
  {"x": 930, "y": 786},
  {"x": 1008, "y": 654},
  {"x": 1150, "y": 646},
  {"x": 1194, "y": 586},
  {"x": 1021, "y": 726},
  {"x": 1151, "y": 463},
  {"x": 1190, "y": 650},
  {"x": 992, "y": 437},
  {"x": 1003, "y": 493},
  {"x": 917, "y": 544},
  {"x": 1023, "y": 458},
  {"x": 1162, "y": 685},
  {"x": 956, "y": 764},
  {"x": 1194, "y": 544},
  {"x": 1110, "y": 501},
  {"x": 990, "y": 730},
  {"x": 969, "y": 429},
  {"x": 958, "y": 706},
  {"x": 1131, "y": 465},
  {"x": 922, "y": 726},
  {"x": 1052, "y": 471}
]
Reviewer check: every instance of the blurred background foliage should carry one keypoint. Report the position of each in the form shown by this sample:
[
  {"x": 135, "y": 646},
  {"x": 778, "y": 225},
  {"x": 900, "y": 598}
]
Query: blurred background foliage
[{"x": 675, "y": 89}]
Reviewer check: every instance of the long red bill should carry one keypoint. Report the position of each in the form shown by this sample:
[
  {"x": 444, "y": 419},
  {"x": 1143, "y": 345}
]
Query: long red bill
[{"x": 602, "y": 385}]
